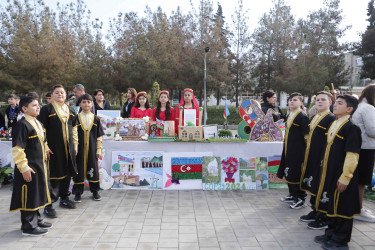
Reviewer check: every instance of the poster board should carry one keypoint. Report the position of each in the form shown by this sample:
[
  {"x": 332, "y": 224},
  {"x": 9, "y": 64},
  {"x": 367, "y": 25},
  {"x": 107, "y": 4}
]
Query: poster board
[
  {"x": 181, "y": 170},
  {"x": 232, "y": 173},
  {"x": 108, "y": 122},
  {"x": 137, "y": 170},
  {"x": 132, "y": 128}
]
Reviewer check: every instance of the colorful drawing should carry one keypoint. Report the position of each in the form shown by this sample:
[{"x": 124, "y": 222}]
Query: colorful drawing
[
  {"x": 211, "y": 170},
  {"x": 229, "y": 173},
  {"x": 247, "y": 176},
  {"x": 261, "y": 164},
  {"x": 230, "y": 166},
  {"x": 248, "y": 163},
  {"x": 137, "y": 170},
  {"x": 273, "y": 166},
  {"x": 108, "y": 122},
  {"x": 183, "y": 170},
  {"x": 132, "y": 128},
  {"x": 262, "y": 180}
]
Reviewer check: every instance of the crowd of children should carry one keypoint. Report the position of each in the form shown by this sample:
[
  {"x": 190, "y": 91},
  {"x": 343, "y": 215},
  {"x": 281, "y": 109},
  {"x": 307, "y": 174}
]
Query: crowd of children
[
  {"x": 331, "y": 157},
  {"x": 53, "y": 145}
]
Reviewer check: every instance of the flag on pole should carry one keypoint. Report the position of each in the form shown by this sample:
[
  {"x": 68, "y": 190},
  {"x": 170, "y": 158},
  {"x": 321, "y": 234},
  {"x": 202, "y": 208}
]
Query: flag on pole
[
  {"x": 226, "y": 110},
  {"x": 160, "y": 124}
]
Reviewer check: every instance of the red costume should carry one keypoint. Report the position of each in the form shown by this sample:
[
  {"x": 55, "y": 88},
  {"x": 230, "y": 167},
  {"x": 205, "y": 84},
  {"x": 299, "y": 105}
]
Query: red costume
[
  {"x": 162, "y": 113},
  {"x": 182, "y": 104},
  {"x": 137, "y": 112}
]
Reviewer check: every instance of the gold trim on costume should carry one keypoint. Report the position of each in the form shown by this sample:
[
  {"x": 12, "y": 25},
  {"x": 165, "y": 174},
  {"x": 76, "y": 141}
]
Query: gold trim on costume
[
  {"x": 86, "y": 130},
  {"x": 58, "y": 178},
  {"x": 321, "y": 126},
  {"x": 24, "y": 196},
  {"x": 41, "y": 138},
  {"x": 330, "y": 141},
  {"x": 30, "y": 137},
  {"x": 308, "y": 144},
  {"x": 64, "y": 125},
  {"x": 52, "y": 115},
  {"x": 30, "y": 209}
]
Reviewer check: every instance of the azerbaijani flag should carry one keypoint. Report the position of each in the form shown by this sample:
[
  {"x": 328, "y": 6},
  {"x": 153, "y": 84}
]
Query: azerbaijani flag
[
  {"x": 282, "y": 126},
  {"x": 111, "y": 124},
  {"x": 226, "y": 110},
  {"x": 186, "y": 168},
  {"x": 160, "y": 123},
  {"x": 125, "y": 159}
]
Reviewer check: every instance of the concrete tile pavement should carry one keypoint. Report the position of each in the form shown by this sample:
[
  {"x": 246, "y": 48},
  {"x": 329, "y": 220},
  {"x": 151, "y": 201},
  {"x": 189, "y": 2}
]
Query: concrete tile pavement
[{"x": 131, "y": 219}]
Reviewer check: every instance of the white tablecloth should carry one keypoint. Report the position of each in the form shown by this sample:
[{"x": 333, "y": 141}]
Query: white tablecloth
[{"x": 240, "y": 149}]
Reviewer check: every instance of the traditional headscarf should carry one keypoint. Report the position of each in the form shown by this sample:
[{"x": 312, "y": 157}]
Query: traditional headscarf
[
  {"x": 164, "y": 92},
  {"x": 194, "y": 101},
  {"x": 139, "y": 94}
]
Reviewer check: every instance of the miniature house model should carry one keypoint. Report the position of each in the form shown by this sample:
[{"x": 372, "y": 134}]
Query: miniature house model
[{"x": 190, "y": 133}]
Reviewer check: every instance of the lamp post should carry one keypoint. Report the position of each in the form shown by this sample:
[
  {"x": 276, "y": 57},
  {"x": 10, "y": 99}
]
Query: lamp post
[{"x": 204, "y": 84}]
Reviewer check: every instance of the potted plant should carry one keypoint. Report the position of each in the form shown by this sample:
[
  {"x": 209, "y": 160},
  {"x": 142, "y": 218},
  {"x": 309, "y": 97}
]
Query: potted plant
[{"x": 5, "y": 172}]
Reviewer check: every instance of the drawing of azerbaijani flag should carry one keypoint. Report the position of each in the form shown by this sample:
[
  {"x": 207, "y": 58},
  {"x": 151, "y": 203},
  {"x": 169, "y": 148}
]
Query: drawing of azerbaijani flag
[
  {"x": 185, "y": 168},
  {"x": 124, "y": 159},
  {"x": 160, "y": 123},
  {"x": 111, "y": 124}
]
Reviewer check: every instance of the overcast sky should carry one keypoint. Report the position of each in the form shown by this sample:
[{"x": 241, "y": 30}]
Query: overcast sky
[{"x": 354, "y": 11}]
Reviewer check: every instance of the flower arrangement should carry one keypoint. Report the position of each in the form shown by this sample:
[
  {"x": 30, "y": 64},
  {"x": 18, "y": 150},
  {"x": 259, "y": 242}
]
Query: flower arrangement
[{"x": 230, "y": 165}]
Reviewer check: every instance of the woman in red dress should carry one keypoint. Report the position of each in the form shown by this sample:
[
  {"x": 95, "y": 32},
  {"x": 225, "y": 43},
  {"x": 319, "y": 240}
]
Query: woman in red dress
[
  {"x": 142, "y": 106},
  {"x": 187, "y": 101}
]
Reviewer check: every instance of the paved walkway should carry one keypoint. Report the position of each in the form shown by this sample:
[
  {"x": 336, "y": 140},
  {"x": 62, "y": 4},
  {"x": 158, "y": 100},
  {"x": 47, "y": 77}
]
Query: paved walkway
[{"x": 176, "y": 220}]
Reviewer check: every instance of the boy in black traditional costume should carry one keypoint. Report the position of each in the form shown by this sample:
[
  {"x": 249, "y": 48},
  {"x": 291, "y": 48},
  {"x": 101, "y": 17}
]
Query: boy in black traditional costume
[
  {"x": 310, "y": 177},
  {"x": 296, "y": 133},
  {"x": 12, "y": 111},
  {"x": 90, "y": 134},
  {"x": 30, "y": 187},
  {"x": 338, "y": 195},
  {"x": 59, "y": 121}
]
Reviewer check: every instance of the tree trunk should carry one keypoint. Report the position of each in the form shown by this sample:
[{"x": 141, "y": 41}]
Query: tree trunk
[{"x": 218, "y": 98}]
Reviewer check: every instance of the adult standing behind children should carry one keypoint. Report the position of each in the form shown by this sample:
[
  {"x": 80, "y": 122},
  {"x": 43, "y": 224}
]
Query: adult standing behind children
[
  {"x": 59, "y": 121},
  {"x": 269, "y": 102},
  {"x": 12, "y": 110},
  {"x": 30, "y": 186},
  {"x": 79, "y": 90},
  {"x": 129, "y": 104},
  {"x": 364, "y": 118},
  {"x": 99, "y": 102}
]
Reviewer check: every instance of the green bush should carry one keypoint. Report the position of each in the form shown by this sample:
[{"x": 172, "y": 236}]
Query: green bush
[{"x": 225, "y": 133}]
